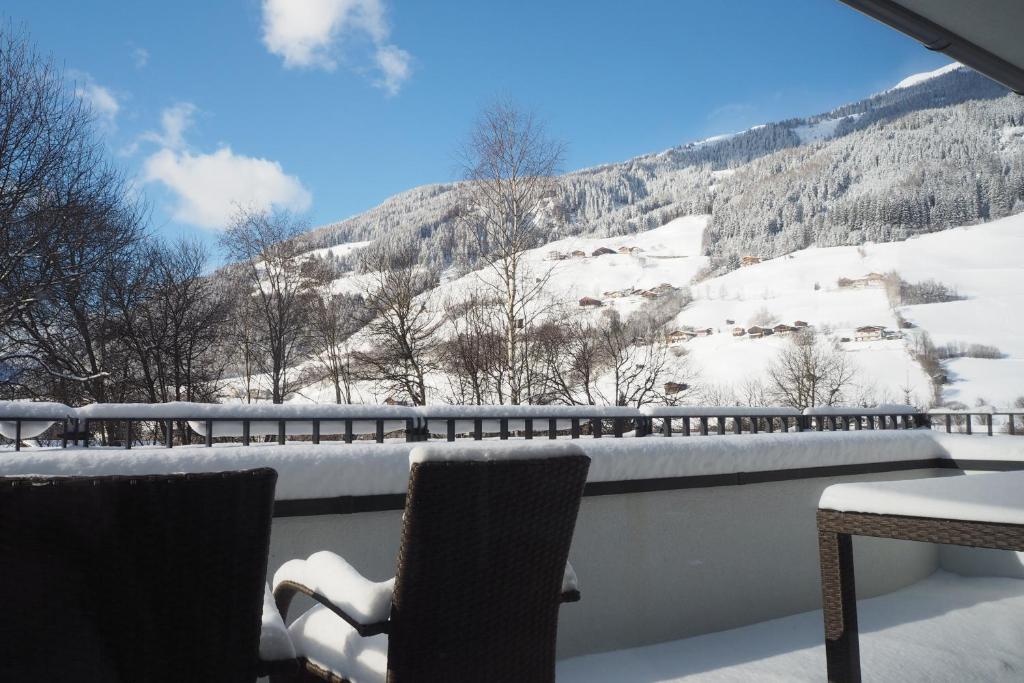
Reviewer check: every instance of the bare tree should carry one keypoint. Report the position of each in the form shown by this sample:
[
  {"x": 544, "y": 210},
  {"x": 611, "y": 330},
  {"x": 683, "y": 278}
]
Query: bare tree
[
  {"x": 245, "y": 339},
  {"x": 810, "y": 372},
  {"x": 636, "y": 366},
  {"x": 470, "y": 355},
  {"x": 402, "y": 333},
  {"x": 271, "y": 263},
  {"x": 569, "y": 357},
  {"x": 334, "y": 318},
  {"x": 173, "y": 317},
  {"x": 42, "y": 133},
  {"x": 763, "y": 317},
  {"x": 65, "y": 216},
  {"x": 510, "y": 167}
]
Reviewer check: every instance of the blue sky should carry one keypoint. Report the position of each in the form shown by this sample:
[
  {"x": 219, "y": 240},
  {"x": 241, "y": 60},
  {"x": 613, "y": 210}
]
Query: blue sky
[{"x": 330, "y": 106}]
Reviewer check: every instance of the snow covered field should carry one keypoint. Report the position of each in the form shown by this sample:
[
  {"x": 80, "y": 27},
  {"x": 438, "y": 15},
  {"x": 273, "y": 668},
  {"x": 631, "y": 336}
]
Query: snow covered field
[
  {"x": 945, "y": 629},
  {"x": 981, "y": 262}
]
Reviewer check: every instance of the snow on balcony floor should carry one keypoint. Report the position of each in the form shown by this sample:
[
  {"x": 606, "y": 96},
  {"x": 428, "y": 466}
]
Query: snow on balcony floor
[{"x": 945, "y": 628}]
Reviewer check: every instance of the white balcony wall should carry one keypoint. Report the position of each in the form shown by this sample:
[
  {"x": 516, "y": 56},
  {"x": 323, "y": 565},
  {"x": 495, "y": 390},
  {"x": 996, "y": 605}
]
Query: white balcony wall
[{"x": 663, "y": 565}]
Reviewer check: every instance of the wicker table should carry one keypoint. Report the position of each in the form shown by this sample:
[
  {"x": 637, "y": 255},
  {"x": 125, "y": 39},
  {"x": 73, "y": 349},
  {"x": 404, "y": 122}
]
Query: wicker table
[{"x": 982, "y": 511}]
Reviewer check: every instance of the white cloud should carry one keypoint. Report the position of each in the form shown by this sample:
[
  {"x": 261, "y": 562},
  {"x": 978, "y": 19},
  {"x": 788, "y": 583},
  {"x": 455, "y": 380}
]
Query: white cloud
[
  {"x": 140, "y": 56},
  {"x": 174, "y": 121},
  {"x": 101, "y": 100},
  {"x": 310, "y": 33},
  {"x": 394, "y": 63},
  {"x": 209, "y": 187}
]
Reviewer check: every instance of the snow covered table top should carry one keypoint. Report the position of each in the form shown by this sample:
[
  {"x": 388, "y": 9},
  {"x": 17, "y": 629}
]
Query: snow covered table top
[{"x": 993, "y": 498}]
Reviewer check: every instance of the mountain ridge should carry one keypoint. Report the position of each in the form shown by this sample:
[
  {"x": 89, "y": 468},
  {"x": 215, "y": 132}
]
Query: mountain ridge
[{"x": 715, "y": 176}]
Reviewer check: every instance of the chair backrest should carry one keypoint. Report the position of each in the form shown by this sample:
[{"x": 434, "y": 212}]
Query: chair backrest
[
  {"x": 483, "y": 551},
  {"x": 133, "y": 579}
]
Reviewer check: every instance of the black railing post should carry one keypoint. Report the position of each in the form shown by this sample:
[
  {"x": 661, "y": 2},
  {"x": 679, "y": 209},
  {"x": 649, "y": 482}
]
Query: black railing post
[
  {"x": 169, "y": 427},
  {"x": 574, "y": 428},
  {"x": 17, "y": 435},
  {"x": 64, "y": 437},
  {"x": 686, "y": 426},
  {"x": 552, "y": 428},
  {"x": 618, "y": 427},
  {"x": 478, "y": 429},
  {"x": 349, "y": 429},
  {"x": 379, "y": 428},
  {"x": 450, "y": 429},
  {"x": 316, "y": 430},
  {"x": 245, "y": 432},
  {"x": 1013, "y": 424},
  {"x": 970, "y": 423},
  {"x": 755, "y": 424},
  {"x": 85, "y": 433},
  {"x": 595, "y": 427},
  {"x": 503, "y": 428},
  {"x": 703, "y": 426},
  {"x": 666, "y": 426},
  {"x": 528, "y": 427},
  {"x": 127, "y": 434},
  {"x": 209, "y": 433},
  {"x": 988, "y": 422}
]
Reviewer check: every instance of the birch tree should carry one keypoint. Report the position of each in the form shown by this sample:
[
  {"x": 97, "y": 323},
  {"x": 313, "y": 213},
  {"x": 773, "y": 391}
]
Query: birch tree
[{"x": 510, "y": 167}]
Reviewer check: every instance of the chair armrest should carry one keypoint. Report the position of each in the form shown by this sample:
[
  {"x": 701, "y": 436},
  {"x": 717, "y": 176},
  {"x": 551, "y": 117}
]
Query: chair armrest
[
  {"x": 570, "y": 585},
  {"x": 327, "y": 578}
]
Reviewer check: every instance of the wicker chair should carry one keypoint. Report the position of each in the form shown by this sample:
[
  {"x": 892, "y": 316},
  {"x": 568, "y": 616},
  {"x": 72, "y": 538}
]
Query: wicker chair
[
  {"x": 482, "y": 570},
  {"x": 148, "y": 579}
]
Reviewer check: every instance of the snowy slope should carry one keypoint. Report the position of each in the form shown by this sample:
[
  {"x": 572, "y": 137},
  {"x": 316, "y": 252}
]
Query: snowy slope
[
  {"x": 982, "y": 262},
  {"x": 671, "y": 253},
  {"x": 917, "y": 79}
]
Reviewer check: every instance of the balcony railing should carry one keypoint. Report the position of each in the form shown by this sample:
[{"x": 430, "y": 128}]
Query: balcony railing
[
  {"x": 180, "y": 423},
  {"x": 964, "y": 420}
]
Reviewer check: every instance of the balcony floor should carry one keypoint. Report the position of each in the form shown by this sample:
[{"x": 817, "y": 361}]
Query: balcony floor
[{"x": 945, "y": 628}]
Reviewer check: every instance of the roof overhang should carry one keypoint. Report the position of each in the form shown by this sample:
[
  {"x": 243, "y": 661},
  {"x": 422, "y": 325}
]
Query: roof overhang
[{"x": 986, "y": 36}]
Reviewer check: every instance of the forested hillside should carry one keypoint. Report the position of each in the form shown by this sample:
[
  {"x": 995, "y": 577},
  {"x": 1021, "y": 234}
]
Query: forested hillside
[{"x": 945, "y": 151}]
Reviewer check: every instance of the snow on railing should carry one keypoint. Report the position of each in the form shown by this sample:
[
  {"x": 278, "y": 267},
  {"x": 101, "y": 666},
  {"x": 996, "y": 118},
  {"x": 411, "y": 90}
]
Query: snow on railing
[
  {"x": 126, "y": 423},
  {"x": 963, "y": 420},
  {"x": 749, "y": 419}
]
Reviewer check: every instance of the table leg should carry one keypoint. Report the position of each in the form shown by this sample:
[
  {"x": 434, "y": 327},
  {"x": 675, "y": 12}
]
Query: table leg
[{"x": 839, "y": 601}]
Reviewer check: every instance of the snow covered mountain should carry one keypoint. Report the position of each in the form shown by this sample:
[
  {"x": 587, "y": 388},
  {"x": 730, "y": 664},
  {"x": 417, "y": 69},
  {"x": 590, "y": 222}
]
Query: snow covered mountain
[
  {"x": 939, "y": 150},
  {"x": 894, "y": 214}
]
